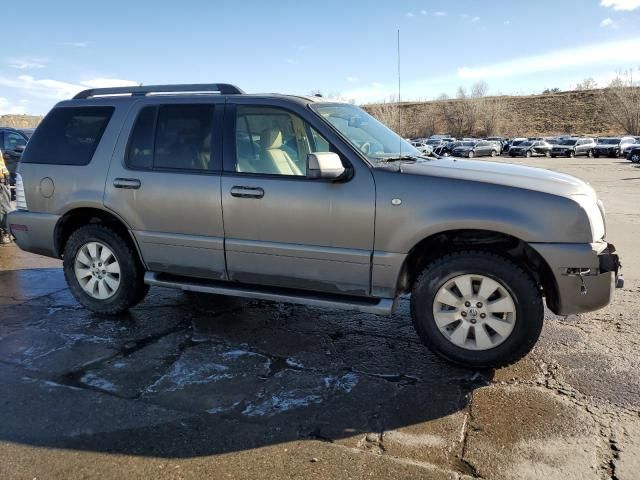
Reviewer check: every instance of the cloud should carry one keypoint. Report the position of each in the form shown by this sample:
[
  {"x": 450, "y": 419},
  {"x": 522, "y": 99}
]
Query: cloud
[
  {"x": 610, "y": 54},
  {"x": 409, "y": 14},
  {"x": 291, "y": 61},
  {"x": 8, "y": 108},
  {"x": 56, "y": 89},
  {"x": 75, "y": 44},
  {"x": 352, "y": 79},
  {"x": 374, "y": 90},
  {"x": 25, "y": 63},
  {"x": 475, "y": 19},
  {"x": 624, "y": 5},
  {"x": 507, "y": 22},
  {"x": 108, "y": 82},
  {"x": 440, "y": 14},
  {"x": 607, "y": 22},
  {"x": 423, "y": 12}
]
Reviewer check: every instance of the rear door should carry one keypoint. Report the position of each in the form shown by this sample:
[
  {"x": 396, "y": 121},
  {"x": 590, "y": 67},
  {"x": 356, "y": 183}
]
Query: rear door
[
  {"x": 164, "y": 181},
  {"x": 281, "y": 228}
]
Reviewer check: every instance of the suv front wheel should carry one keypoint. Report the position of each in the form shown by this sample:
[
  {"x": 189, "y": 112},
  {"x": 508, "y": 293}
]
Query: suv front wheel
[
  {"x": 103, "y": 272},
  {"x": 477, "y": 309}
]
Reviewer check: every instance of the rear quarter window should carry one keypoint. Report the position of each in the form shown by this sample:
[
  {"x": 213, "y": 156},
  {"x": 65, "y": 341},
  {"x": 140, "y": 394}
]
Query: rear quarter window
[{"x": 68, "y": 136}]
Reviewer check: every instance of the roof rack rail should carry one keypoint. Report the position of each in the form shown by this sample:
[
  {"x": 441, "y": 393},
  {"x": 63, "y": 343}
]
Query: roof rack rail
[{"x": 221, "y": 88}]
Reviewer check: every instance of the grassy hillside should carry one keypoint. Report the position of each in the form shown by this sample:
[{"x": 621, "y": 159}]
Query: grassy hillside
[
  {"x": 20, "y": 121},
  {"x": 574, "y": 112}
]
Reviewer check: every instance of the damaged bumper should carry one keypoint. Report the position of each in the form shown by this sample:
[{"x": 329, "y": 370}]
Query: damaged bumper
[{"x": 586, "y": 275}]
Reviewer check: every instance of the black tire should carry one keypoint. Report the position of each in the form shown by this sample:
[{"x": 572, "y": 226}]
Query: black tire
[
  {"x": 528, "y": 154},
  {"x": 494, "y": 153},
  {"x": 571, "y": 154},
  {"x": 635, "y": 158},
  {"x": 132, "y": 288},
  {"x": 595, "y": 155},
  {"x": 470, "y": 155},
  {"x": 524, "y": 291},
  {"x": 553, "y": 156},
  {"x": 547, "y": 154}
]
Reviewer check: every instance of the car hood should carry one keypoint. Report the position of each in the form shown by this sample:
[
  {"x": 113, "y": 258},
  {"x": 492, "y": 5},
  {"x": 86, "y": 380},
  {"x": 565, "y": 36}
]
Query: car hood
[{"x": 506, "y": 174}]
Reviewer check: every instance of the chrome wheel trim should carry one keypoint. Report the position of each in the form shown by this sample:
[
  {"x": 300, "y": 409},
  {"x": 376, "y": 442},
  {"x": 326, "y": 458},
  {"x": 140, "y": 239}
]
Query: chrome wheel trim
[
  {"x": 97, "y": 270},
  {"x": 474, "y": 312},
  {"x": 635, "y": 158}
]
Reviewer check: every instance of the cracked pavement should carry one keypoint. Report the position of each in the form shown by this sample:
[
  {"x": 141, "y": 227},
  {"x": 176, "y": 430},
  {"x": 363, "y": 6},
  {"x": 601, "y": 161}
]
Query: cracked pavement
[{"x": 192, "y": 386}]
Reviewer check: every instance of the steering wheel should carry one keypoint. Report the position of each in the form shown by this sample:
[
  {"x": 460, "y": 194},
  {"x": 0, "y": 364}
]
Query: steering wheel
[{"x": 365, "y": 148}]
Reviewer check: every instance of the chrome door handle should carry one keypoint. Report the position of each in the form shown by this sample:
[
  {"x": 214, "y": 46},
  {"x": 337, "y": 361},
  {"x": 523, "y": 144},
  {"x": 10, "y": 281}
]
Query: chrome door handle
[
  {"x": 247, "y": 192},
  {"x": 127, "y": 183}
]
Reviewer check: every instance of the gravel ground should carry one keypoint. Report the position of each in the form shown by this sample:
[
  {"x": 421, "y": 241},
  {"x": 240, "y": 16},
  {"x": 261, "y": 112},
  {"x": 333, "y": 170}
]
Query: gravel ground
[{"x": 208, "y": 387}]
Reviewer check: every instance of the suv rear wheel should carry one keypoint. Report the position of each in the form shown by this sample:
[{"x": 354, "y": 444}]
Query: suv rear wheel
[
  {"x": 103, "y": 272},
  {"x": 477, "y": 309}
]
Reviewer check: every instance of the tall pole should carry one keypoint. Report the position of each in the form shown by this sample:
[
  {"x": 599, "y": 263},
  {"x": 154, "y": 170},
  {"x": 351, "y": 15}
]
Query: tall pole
[{"x": 399, "y": 98}]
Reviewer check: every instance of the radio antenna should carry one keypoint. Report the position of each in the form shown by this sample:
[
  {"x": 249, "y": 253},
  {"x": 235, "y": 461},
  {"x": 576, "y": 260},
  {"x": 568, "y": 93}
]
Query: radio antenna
[{"x": 399, "y": 98}]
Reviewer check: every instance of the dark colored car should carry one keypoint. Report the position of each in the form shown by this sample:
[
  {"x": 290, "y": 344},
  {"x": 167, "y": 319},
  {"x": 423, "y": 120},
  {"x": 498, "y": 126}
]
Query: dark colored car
[
  {"x": 471, "y": 149},
  {"x": 12, "y": 143},
  {"x": 531, "y": 149},
  {"x": 574, "y": 147},
  {"x": 634, "y": 155},
  {"x": 446, "y": 148},
  {"x": 612, "y": 146}
]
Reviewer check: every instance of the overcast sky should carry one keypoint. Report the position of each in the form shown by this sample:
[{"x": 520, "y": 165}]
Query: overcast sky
[{"x": 54, "y": 49}]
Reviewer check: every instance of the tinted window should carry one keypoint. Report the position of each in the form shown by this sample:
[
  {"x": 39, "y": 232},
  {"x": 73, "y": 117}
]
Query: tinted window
[
  {"x": 68, "y": 136},
  {"x": 274, "y": 141},
  {"x": 12, "y": 140},
  {"x": 140, "y": 153},
  {"x": 176, "y": 137}
]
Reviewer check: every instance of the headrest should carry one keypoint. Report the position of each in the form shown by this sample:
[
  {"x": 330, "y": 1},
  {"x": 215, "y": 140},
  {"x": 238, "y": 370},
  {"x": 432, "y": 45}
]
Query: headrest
[{"x": 270, "y": 138}]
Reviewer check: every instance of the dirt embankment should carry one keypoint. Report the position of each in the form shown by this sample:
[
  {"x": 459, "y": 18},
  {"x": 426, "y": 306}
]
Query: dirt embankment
[
  {"x": 573, "y": 112},
  {"x": 20, "y": 121}
]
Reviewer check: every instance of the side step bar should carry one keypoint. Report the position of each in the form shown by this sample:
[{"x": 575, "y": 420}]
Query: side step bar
[{"x": 382, "y": 306}]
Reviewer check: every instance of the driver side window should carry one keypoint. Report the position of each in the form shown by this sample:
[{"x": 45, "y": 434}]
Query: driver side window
[{"x": 274, "y": 141}]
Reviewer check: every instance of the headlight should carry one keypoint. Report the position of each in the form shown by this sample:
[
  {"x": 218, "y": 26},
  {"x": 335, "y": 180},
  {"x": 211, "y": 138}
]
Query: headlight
[{"x": 592, "y": 208}]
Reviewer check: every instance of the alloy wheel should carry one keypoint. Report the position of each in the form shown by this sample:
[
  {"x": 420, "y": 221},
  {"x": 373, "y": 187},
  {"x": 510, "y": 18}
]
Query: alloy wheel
[
  {"x": 474, "y": 312},
  {"x": 97, "y": 270}
]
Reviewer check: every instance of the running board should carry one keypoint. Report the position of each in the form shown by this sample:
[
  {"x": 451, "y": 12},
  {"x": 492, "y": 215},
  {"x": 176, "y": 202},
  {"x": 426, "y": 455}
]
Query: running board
[{"x": 382, "y": 306}]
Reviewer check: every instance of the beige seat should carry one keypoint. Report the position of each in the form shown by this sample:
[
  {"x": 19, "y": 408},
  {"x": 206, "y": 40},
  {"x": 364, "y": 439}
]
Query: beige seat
[{"x": 274, "y": 158}]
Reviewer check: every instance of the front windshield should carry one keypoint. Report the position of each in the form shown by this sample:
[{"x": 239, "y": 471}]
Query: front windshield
[
  {"x": 367, "y": 134},
  {"x": 433, "y": 142},
  {"x": 568, "y": 142},
  {"x": 609, "y": 141}
]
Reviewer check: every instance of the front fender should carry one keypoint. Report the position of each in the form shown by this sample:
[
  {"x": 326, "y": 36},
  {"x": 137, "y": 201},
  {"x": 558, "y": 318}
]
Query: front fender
[{"x": 431, "y": 205}]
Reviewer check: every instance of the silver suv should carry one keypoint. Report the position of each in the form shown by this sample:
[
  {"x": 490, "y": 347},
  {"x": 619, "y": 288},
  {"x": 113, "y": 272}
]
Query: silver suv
[{"x": 296, "y": 199}]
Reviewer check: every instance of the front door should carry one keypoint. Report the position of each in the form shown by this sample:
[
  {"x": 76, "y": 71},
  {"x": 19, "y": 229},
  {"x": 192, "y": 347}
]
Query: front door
[
  {"x": 164, "y": 181},
  {"x": 284, "y": 229}
]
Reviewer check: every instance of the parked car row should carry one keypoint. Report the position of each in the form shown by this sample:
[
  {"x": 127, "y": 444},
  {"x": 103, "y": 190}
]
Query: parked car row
[{"x": 558, "y": 146}]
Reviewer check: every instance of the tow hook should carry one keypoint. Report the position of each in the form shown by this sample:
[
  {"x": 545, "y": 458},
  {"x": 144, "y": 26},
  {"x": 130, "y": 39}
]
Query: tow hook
[
  {"x": 619, "y": 281},
  {"x": 580, "y": 273}
]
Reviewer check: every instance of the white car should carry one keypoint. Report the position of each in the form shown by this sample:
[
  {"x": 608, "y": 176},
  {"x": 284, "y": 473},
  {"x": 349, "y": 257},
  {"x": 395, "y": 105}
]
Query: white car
[{"x": 423, "y": 147}]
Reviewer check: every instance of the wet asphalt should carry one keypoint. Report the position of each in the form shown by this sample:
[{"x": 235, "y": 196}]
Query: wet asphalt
[{"x": 198, "y": 386}]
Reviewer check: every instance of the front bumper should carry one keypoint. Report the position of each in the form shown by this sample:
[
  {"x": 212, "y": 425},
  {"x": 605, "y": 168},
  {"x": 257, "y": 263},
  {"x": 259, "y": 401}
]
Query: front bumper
[
  {"x": 585, "y": 275},
  {"x": 34, "y": 232}
]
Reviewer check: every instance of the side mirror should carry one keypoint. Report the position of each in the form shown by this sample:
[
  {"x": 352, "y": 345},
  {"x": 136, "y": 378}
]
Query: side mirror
[
  {"x": 19, "y": 149},
  {"x": 324, "y": 165}
]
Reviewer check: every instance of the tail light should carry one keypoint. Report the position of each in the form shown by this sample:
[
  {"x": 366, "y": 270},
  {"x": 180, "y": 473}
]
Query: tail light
[{"x": 21, "y": 199}]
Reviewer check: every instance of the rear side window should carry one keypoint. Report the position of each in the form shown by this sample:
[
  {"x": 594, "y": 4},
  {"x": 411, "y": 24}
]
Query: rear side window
[
  {"x": 68, "y": 136},
  {"x": 173, "y": 137}
]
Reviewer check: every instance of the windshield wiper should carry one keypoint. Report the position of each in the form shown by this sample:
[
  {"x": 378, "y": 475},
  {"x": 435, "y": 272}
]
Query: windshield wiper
[{"x": 401, "y": 158}]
